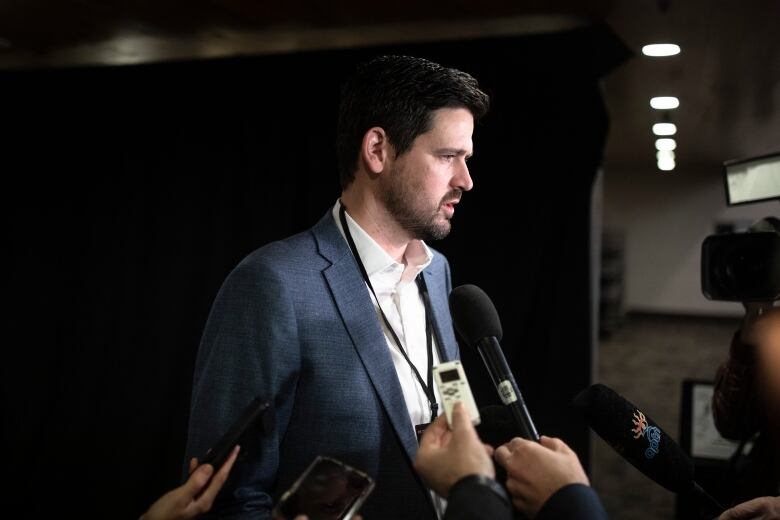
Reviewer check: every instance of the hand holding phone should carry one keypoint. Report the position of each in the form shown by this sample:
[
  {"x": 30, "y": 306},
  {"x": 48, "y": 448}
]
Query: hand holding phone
[
  {"x": 246, "y": 431},
  {"x": 327, "y": 490}
]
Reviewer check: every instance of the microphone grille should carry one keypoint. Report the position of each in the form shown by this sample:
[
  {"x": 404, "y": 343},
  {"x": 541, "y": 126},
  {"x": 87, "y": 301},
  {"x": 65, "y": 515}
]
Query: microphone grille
[
  {"x": 474, "y": 315},
  {"x": 636, "y": 437}
]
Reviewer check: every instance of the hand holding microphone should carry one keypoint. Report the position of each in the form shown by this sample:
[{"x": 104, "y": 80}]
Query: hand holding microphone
[{"x": 536, "y": 471}]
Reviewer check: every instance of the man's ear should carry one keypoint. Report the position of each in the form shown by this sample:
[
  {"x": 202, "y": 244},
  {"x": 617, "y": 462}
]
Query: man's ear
[{"x": 375, "y": 150}]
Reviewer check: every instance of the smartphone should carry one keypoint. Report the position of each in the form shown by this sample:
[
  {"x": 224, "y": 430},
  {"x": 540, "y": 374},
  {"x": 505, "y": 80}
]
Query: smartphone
[
  {"x": 253, "y": 424},
  {"x": 327, "y": 490}
]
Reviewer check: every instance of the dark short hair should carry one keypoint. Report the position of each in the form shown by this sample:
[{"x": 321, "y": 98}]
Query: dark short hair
[{"x": 399, "y": 95}]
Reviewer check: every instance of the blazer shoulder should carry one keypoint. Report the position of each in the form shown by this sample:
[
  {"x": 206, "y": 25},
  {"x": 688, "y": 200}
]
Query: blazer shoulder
[{"x": 296, "y": 253}]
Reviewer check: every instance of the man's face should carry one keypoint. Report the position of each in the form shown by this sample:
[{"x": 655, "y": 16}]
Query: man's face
[{"x": 424, "y": 184}]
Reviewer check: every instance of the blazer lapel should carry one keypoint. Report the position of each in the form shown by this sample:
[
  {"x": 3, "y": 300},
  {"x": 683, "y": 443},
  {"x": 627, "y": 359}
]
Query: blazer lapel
[
  {"x": 359, "y": 316},
  {"x": 442, "y": 323}
]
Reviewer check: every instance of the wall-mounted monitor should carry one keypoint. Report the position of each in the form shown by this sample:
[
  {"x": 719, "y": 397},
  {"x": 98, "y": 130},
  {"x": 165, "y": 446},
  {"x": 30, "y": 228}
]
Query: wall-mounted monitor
[{"x": 752, "y": 180}]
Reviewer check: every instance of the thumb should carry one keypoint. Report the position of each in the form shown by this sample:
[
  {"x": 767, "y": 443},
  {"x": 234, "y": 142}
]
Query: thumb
[
  {"x": 198, "y": 479},
  {"x": 744, "y": 511},
  {"x": 553, "y": 443},
  {"x": 461, "y": 422}
]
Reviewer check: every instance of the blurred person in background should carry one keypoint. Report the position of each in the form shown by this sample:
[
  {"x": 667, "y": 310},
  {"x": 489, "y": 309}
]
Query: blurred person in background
[{"x": 746, "y": 402}]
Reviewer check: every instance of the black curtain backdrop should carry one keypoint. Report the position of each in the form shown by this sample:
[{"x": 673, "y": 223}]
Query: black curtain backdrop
[{"x": 131, "y": 192}]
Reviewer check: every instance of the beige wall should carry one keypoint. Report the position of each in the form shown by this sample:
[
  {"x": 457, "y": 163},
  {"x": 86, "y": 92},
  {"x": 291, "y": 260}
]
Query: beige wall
[{"x": 665, "y": 217}]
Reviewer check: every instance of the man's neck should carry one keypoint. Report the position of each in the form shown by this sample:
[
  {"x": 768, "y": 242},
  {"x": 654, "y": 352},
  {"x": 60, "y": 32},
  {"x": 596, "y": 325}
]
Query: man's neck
[{"x": 374, "y": 219}]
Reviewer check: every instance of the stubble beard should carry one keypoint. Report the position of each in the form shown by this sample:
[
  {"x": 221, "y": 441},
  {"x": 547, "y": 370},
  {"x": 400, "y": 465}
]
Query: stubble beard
[{"x": 405, "y": 203}]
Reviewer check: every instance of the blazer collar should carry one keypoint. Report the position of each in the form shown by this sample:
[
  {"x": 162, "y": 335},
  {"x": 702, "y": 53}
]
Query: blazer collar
[{"x": 438, "y": 293}]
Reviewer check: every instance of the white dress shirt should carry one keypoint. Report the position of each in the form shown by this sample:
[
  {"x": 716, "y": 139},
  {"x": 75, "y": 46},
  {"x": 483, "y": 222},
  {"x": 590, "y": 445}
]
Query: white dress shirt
[{"x": 402, "y": 303}]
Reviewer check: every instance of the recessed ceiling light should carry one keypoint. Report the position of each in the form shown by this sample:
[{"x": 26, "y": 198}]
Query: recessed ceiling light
[
  {"x": 664, "y": 155},
  {"x": 666, "y": 165},
  {"x": 661, "y": 49},
  {"x": 665, "y": 143},
  {"x": 664, "y": 129},
  {"x": 664, "y": 102}
]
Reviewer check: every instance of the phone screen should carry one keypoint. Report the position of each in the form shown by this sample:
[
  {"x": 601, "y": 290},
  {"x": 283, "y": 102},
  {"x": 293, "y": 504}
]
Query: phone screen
[{"x": 327, "y": 490}]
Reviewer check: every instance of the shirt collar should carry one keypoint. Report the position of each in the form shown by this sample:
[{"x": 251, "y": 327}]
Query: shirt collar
[{"x": 418, "y": 255}]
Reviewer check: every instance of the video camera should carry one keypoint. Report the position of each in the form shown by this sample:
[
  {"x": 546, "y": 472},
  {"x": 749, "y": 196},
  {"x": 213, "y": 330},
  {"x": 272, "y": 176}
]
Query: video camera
[{"x": 745, "y": 266}]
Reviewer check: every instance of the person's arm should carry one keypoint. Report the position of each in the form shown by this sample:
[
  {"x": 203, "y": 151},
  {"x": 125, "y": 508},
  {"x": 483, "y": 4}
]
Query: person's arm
[
  {"x": 763, "y": 508},
  {"x": 546, "y": 480},
  {"x": 457, "y": 465},
  {"x": 249, "y": 349},
  {"x": 735, "y": 410},
  {"x": 573, "y": 501},
  {"x": 194, "y": 497},
  {"x": 478, "y": 497}
]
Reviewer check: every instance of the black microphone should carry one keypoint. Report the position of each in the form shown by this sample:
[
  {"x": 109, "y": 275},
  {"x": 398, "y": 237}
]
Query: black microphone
[
  {"x": 639, "y": 440},
  {"x": 477, "y": 321}
]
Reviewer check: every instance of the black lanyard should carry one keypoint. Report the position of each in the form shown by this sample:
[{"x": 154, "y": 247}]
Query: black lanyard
[{"x": 427, "y": 388}]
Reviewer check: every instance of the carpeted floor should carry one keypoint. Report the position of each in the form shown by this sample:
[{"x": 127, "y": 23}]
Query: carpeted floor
[{"x": 646, "y": 360}]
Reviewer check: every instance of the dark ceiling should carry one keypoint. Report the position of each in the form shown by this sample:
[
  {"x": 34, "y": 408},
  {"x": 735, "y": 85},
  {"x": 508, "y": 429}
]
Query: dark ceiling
[
  {"x": 47, "y": 25},
  {"x": 727, "y": 76}
]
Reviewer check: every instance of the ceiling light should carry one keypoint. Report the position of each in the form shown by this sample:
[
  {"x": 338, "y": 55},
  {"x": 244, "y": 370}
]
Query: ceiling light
[
  {"x": 661, "y": 49},
  {"x": 664, "y": 155},
  {"x": 666, "y": 165},
  {"x": 665, "y": 143},
  {"x": 664, "y": 102},
  {"x": 664, "y": 129}
]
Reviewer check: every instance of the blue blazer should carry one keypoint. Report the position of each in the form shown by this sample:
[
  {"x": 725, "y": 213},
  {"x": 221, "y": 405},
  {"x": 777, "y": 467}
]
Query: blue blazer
[{"x": 294, "y": 324}]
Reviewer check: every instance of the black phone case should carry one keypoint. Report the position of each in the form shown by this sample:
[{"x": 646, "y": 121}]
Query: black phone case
[{"x": 246, "y": 431}]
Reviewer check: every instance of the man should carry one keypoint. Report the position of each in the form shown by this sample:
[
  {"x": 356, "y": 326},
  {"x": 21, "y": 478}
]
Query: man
[{"x": 339, "y": 326}]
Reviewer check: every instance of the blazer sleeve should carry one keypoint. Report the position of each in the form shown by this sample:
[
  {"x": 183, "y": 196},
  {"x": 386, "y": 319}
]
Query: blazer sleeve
[
  {"x": 471, "y": 499},
  {"x": 249, "y": 348},
  {"x": 575, "y": 501}
]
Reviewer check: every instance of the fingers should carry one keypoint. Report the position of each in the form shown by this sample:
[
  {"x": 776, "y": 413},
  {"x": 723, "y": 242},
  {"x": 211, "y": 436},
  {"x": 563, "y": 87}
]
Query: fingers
[
  {"x": 204, "y": 501},
  {"x": 193, "y": 464},
  {"x": 516, "y": 443},
  {"x": 502, "y": 455},
  {"x": 460, "y": 417},
  {"x": 198, "y": 478},
  {"x": 489, "y": 450},
  {"x": 744, "y": 511},
  {"x": 554, "y": 444},
  {"x": 461, "y": 423},
  {"x": 228, "y": 465},
  {"x": 517, "y": 448},
  {"x": 737, "y": 513},
  {"x": 433, "y": 434}
]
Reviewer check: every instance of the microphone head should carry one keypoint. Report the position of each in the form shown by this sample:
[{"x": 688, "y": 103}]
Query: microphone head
[
  {"x": 636, "y": 437},
  {"x": 474, "y": 315}
]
